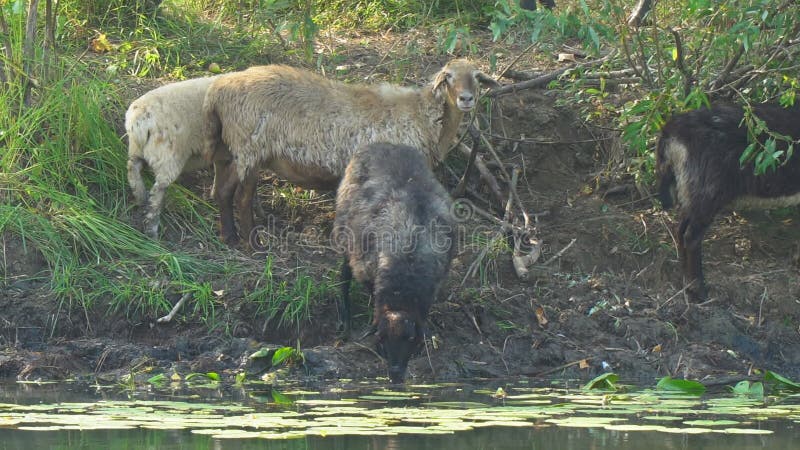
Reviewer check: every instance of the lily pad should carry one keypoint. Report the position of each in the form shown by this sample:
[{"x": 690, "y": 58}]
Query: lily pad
[{"x": 710, "y": 423}]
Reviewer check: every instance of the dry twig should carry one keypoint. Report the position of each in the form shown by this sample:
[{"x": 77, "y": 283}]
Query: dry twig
[{"x": 168, "y": 318}]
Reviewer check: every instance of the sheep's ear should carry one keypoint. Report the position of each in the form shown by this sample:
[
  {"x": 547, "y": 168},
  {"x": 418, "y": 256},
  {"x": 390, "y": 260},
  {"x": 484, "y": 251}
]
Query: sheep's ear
[
  {"x": 486, "y": 80},
  {"x": 438, "y": 81}
]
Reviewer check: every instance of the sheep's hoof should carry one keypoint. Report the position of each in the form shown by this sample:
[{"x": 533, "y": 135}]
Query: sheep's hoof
[
  {"x": 151, "y": 229},
  {"x": 230, "y": 240},
  {"x": 343, "y": 330},
  {"x": 140, "y": 199}
]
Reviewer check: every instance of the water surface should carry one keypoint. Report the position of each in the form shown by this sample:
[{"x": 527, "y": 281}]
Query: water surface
[{"x": 367, "y": 416}]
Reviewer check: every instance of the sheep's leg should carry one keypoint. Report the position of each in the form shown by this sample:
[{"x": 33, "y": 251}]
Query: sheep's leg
[
  {"x": 373, "y": 328},
  {"x": 343, "y": 305},
  {"x": 225, "y": 182},
  {"x": 692, "y": 257},
  {"x": 247, "y": 191},
  {"x": 135, "y": 180},
  {"x": 157, "y": 192}
]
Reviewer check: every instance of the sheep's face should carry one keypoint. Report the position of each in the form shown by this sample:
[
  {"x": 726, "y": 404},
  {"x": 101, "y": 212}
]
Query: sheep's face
[
  {"x": 460, "y": 81},
  {"x": 399, "y": 338}
]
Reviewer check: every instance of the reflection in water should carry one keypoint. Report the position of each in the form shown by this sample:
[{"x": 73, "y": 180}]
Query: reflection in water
[{"x": 548, "y": 438}]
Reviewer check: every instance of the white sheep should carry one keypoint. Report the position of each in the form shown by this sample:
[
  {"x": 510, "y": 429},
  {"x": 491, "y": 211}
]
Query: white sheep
[
  {"x": 164, "y": 129},
  {"x": 305, "y": 128}
]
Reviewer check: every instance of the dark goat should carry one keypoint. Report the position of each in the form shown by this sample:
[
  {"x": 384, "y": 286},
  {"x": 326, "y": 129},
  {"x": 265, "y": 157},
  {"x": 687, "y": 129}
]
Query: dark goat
[
  {"x": 394, "y": 224},
  {"x": 697, "y": 162}
]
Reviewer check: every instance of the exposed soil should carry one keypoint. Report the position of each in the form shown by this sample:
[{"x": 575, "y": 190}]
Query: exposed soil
[{"x": 612, "y": 298}]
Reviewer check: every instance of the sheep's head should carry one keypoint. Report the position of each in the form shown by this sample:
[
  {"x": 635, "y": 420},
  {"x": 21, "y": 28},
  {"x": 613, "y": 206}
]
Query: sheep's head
[
  {"x": 460, "y": 81},
  {"x": 399, "y": 337}
]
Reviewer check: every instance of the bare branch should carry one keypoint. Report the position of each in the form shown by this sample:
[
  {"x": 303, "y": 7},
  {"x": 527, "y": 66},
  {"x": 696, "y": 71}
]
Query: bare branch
[
  {"x": 168, "y": 318},
  {"x": 688, "y": 78},
  {"x": 462, "y": 184},
  {"x": 547, "y": 78},
  {"x": 486, "y": 174},
  {"x": 726, "y": 71}
]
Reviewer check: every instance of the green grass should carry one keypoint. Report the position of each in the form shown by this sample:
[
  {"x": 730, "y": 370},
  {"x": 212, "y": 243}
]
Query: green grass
[
  {"x": 65, "y": 195},
  {"x": 287, "y": 301}
]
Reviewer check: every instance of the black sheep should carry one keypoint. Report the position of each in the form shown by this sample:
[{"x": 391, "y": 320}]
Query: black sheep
[{"x": 395, "y": 226}]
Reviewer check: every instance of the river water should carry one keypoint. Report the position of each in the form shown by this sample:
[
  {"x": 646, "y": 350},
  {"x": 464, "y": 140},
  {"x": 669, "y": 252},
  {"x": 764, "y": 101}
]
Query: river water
[{"x": 368, "y": 416}]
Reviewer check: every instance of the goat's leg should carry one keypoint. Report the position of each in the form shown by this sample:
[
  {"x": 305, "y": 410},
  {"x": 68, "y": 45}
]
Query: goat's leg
[
  {"x": 693, "y": 259},
  {"x": 247, "y": 191},
  {"x": 680, "y": 231},
  {"x": 343, "y": 305},
  {"x": 225, "y": 183}
]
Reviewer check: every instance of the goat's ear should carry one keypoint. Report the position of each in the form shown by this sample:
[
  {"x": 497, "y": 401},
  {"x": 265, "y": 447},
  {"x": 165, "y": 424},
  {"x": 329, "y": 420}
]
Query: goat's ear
[{"x": 486, "y": 80}]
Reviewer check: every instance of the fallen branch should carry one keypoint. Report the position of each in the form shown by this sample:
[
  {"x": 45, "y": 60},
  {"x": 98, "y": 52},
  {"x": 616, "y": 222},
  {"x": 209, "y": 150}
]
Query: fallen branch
[
  {"x": 561, "y": 367},
  {"x": 520, "y": 261},
  {"x": 168, "y": 318},
  {"x": 560, "y": 252},
  {"x": 547, "y": 78},
  {"x": 622, "y": 73},
  {"x": 608, "y": 82},
  {"x": 519, "y": 75},
  {"x": 523, "y": 262}
]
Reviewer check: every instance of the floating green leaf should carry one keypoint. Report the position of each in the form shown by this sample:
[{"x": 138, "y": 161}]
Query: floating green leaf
[
  {"x": 710, "y": 423},
  {"x": 745, "y": 431},
  {"x": 676, "y": 385},
  {"x": 745, "y": 388},
  {"x": 606, "y": 381}
]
